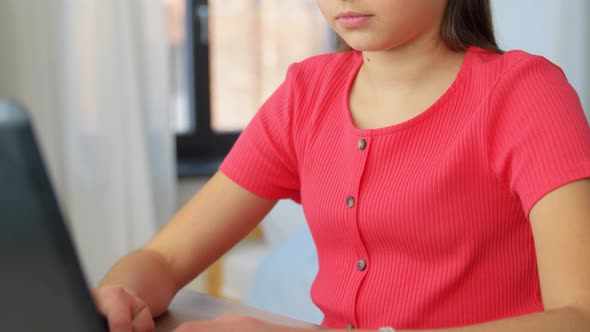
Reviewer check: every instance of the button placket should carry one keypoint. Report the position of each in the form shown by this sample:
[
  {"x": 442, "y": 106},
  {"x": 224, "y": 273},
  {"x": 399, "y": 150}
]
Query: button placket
[{"x": 361, "y": 145}]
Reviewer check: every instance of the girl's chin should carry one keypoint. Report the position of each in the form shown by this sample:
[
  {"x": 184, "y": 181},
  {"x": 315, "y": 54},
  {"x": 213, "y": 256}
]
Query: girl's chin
[{"x": 367, "y": 46}]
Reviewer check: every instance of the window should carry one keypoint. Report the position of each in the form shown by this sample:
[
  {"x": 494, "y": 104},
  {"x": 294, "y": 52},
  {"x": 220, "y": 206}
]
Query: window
[{"x": 230, "y": 58}]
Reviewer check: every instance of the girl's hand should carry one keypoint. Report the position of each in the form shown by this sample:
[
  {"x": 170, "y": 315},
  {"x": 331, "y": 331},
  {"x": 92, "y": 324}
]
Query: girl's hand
[
  {"x": 229, "y": 323},
  {"x": 124, "y": 311}
]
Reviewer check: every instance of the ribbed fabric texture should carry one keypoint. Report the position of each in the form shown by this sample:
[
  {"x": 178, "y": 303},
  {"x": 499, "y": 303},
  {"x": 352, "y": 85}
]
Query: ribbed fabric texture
[{"x": 437, "y": 206}]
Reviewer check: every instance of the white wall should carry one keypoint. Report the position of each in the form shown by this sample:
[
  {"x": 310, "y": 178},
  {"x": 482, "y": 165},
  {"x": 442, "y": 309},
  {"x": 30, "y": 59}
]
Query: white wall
[
  {"x": 556, "y": 29},
  {"x": 93, "y": 75},
  {"x": 27, "y": 66}
]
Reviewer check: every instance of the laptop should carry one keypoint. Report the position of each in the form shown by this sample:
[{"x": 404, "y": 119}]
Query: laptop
[{"x": 42, "y": 287}]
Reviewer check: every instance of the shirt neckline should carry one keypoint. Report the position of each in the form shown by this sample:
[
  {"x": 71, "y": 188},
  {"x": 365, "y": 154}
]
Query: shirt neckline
[{"x": 461, "y": 77}]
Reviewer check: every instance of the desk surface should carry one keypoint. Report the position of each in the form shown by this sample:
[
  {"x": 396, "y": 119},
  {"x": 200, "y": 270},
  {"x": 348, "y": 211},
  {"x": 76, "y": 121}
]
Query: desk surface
[{"x": 189, "y": 305}]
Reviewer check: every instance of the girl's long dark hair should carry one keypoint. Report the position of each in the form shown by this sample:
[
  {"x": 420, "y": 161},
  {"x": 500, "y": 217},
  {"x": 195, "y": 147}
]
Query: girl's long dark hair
[
  {"x": 468, "y": 23},
  {"x": 465, "y": 23}
]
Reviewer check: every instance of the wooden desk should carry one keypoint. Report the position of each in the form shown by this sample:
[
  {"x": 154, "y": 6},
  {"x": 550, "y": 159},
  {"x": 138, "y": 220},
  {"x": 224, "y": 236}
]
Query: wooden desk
[{"x": 189, "y": 305}]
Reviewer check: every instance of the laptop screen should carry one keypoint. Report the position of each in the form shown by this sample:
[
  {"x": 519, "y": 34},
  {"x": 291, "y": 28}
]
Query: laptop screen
[{"x": 42, "y": 287}]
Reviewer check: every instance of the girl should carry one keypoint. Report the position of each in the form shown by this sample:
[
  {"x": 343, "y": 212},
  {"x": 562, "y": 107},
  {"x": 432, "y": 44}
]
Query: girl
[{"x": 445, "y": 183}]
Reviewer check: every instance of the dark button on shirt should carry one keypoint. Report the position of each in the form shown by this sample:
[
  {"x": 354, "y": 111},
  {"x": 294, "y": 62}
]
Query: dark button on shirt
[
  {"x": 362, "y": 144},
  {"x": 350, "y": 202},
  {"x": 361, "y": 265}
]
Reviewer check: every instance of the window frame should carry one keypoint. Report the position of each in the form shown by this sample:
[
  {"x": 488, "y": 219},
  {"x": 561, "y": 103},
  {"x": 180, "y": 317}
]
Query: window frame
[{"x": 200, "y": 152}]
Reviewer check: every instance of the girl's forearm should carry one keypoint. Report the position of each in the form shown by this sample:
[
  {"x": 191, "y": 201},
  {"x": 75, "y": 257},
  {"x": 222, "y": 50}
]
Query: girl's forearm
[{"x": 147, "y": 274}]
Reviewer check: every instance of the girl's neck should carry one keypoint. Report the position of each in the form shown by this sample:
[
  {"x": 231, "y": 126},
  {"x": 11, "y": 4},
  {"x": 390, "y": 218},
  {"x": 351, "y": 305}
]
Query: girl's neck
[{"x": 409, "y": 65}]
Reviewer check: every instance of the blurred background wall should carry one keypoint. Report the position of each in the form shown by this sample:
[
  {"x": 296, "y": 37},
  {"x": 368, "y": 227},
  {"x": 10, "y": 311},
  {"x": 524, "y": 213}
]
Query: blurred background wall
[{"x": 94, "y": 76}]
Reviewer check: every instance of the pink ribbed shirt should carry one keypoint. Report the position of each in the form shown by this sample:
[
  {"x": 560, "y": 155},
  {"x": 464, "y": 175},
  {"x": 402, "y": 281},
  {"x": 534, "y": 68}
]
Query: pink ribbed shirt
[{"x": 423, "y": 224}]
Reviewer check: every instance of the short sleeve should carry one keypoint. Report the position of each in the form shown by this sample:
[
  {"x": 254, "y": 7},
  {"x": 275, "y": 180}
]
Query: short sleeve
[
  {"x": 263, "y": 159},
  {"x": 538, "y": 137}
]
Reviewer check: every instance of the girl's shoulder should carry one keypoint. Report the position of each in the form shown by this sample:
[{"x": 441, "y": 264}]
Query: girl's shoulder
[
  {"x": 499, "y": 65},
  {"x": 514, "y": 71}
]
